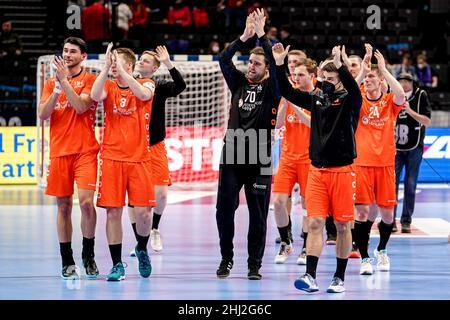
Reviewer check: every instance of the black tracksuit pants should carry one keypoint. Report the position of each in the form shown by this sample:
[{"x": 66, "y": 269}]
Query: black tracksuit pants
[{"x": 257, "y": 192}]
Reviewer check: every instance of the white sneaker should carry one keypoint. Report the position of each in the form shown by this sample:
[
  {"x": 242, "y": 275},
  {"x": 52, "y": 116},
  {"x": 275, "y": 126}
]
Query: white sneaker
[
  {"x": 306, "y": 283},
  {"x": 155, "y": 240},
  {"x": 336, "y": 286},
  {"x": 285, "y": 251},
  {"x": 132, "y": 253},
  {"x": 383, "y": 261},
  {"x": 366, "y": 266},
  {"x": 301, "y": 260}
]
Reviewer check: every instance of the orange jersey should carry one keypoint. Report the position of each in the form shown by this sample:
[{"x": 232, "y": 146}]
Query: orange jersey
[
  {"x": 127, "y": 120},
  {"x": 375, "y": 140},
  {"x": 295, "y": 144},
  {"x": 71, "y": 133}
]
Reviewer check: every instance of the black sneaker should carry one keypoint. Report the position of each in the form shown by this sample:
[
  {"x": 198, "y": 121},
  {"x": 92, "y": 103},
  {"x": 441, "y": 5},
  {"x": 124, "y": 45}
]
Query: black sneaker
[
  {"x": 331, "y": 239},
  {"x": 91, "y": 268},
  {"x": 406, "y": 228},
  {"x": 394, "y": 227},
  {"x": 253, "y": 273},
  {"x": 224, "y": 268}
]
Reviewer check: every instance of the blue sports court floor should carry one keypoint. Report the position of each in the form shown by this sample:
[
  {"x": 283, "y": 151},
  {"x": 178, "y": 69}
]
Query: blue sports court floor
[{"x": 185, "y": 269}]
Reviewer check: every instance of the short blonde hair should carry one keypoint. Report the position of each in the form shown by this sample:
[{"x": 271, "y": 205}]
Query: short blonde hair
[{"x": 154, "y": 55}]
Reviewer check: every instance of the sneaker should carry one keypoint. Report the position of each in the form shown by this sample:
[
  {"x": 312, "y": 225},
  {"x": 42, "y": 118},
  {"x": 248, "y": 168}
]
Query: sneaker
[
  {"x": 406, "y": 228},
  {"x": 145, "y": 266},
  {"x": 336, "y": 286},
  {"x": 383, "y": 261},
  {"x": 91, "y": 268},
  {"x": 224, "y": 268},
  {"x": 155, "y": 240},
  {"x": 71, "y": 272},
  {"x": 253, "y": 273},
  {"x": 366, "y": 267},
  {"x": 117, "y": 272},
  {"x": 301, "y": 260},
  {"x": 306, "y": 283},
  {"x": 394, "y": 226},
  {"x": 132, "y": 253},
  {"x": 331, "y": 239},
  {"x": 283, "y": 253},
  {"x": 354, "y": 254}
]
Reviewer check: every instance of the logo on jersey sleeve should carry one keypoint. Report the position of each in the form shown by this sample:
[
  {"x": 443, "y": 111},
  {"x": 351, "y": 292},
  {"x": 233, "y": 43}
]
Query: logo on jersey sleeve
[{"x": 149, "y": 85}]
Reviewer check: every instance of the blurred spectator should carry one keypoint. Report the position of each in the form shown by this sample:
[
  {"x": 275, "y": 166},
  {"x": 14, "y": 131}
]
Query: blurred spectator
[
  {"x": 426, "y": 75},
  {"x": 180, "y": 14},
  {"x": 236, "y": 14},
  {"x": 272, "y": 34},
  {"x": 200, "y": 17},
  {"x": 405, "y": 67},
  {"x": 214, "y": 47},
  {"x": 124, "y": 15},
  {"x": 10, "y": 44},
  {"x": 95, "y": 20},
  {"x": 138, "y": 23},
  {"x": 286, "y": 37}
]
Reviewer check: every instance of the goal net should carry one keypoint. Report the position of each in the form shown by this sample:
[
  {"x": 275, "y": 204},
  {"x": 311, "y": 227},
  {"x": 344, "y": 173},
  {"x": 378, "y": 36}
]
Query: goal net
[{"x": 196, "y": 119}]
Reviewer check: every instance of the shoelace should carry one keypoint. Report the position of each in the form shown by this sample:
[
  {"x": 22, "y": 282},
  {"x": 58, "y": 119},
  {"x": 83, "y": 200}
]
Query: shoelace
[{"x": 384, "y": 259}]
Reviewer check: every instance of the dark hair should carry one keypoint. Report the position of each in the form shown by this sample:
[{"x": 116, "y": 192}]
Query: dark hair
[
  {"x": 77, "y": 42},
  {"x": 260, "y": 51},
  {"x": 329, "y": 67}
]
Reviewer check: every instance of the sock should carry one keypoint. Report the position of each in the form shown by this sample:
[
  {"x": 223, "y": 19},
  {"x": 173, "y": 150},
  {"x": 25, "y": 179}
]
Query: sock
[
  {"x": 305, "y": 236},
  {"x": 362, "y": 233},
  {"x": 353, "y": 238},
  {"x": 311, "y": 265},
  {"x": 385, "y": 234},
  {"x": 330, "y": 226},
  {"x": 340, "y": 268},
  {"x": 133, "y": 225},
  {"x": 284, "y": 234},
  {"x": 88, "y": 248},
  {"x": 156, "y": 218},
  {"x": 116, "y": 253},
  {"x": 142, "y": 242},
  {"x": 65, "y": 248}
]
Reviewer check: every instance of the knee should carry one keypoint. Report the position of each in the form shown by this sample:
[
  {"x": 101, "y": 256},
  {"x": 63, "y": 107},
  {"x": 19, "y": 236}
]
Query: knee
[
  {"x": 161, "y": 198},
  {"x": 279, "y": 203},
  {"x": 342, "y": 227},
  {"x": 87, "y": 206},
  {"x": 315, "y": 225},
  {"x": 65, "y": 208},
  {"x": 362, "y": 212}
]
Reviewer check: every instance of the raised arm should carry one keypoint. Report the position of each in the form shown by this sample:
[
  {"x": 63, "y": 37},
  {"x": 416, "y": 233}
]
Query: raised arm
[
  {"x": 81, "y": 102},
  {"x": 232, "y": 75},
  {"x": 346, "y": 77},
  {"x": 50, "y": 96},
  {"x": 170, "y": 88},
  {"x": 296, "y": 96},
  {"x": 396, "y": 87},
  {"x": 98, "y": 92},
  {"x": 143, "y": 93},
  {"x": 260, "y": 21},
  {"x": 365, "y": 64}
]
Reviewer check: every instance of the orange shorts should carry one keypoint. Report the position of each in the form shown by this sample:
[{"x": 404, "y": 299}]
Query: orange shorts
[
  {"x": 331, "y": 191},
  {"x": 288, "y": 174},
  {"x": 376, "y": 184},
  {"x": 160, "y": 165},
  {"x": 64, "y": 171},
  {"x": 118, "y": 178}
]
